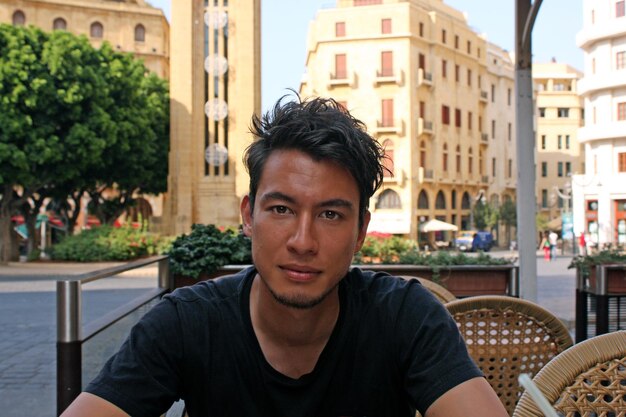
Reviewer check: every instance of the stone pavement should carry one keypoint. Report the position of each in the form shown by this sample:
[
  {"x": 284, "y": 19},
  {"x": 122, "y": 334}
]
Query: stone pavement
[{"x": 28, "y": 322}]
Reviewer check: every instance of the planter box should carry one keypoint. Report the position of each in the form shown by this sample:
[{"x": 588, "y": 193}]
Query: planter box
[
  {"x": 460, "y": 280},
  {"x": 615, "y": 280}
]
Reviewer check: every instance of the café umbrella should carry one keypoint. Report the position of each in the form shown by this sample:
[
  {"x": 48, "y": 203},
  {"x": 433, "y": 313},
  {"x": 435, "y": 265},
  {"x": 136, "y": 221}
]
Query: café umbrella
[{"x": 435, "y": 225}]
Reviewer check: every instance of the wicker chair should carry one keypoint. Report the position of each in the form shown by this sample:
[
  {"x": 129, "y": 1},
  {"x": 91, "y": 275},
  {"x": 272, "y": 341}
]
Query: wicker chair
[
  {"x": 589, "y": 379},
  {"x": 440, "y": 292},
  {"x": 506, "y": 337}
]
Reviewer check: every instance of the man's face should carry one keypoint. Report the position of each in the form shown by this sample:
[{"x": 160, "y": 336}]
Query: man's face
[{"x": 304, "y": 228}]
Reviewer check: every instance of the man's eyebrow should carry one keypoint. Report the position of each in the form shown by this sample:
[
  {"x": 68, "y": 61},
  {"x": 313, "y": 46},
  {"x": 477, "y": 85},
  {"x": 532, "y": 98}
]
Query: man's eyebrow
[
  {"x": 277, "y": 195},
  {"x": 337, "y": 202}
]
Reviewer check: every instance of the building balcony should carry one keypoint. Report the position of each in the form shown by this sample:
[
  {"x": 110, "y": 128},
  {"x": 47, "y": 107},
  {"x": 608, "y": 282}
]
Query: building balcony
[
  {"x": 608, "y": 29},
  {"x": 612, "y": 130},
  {"x": 424, "y": 127},
  {"x": 389, "y": 76},
  {"x": 389, "y": 126},
  {"x": 591, "y": 83},
  {"x": 484, "y": 137},
  {"x": 343, "y": 79},
  {"x": 484, "y": 179},
  {"x": 484, "y": 96},
  {"x": 425, "y": 175},
  {"x": 424, "y": 78}
]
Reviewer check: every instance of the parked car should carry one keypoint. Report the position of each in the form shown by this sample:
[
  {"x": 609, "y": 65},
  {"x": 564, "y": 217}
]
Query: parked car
[{"x": 465, "y": 241}]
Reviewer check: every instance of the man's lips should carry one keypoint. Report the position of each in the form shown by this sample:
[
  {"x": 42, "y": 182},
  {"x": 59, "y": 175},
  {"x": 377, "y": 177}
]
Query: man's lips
[{"x": 300, "y": 272}]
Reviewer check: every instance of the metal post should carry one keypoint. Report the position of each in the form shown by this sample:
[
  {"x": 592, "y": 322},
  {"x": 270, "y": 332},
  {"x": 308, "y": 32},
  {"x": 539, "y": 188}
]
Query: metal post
[
  {"x": 602, "y": 300},
  {"x": 514, "y": 282},
  {"x": 164, "y": 274},
  {"x": 525, "y": 15},
  {"x": 581, "y": 307},
  {"x": 69, "y": 343}
]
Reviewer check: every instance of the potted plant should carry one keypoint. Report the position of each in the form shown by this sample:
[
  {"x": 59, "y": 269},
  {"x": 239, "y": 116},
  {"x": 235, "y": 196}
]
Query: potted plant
[
  {"x": 200, "y": 254},
  {"x": 586, "y": 268}
]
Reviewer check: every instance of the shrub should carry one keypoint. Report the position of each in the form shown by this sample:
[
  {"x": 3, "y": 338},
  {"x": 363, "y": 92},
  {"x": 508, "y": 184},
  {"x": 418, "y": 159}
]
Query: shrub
[
  {"x": 107, "y": 243},
  {"x": 586, "y": 262},
  {"x": 206, "y": 249}
]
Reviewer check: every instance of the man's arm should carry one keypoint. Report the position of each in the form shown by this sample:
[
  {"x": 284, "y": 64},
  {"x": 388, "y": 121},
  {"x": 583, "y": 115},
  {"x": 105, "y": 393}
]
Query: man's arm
[
  {"x": 472, "y": 398},
  {"x": 87, "y": 404}
]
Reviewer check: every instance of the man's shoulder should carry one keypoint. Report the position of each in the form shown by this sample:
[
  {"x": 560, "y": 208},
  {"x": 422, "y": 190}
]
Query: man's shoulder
[
  {"x": 220, "y": 288},
  {"x": 381, "y": 284}
]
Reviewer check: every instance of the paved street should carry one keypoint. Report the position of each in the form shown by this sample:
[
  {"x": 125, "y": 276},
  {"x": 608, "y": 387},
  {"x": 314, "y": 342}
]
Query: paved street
[{"x": 28, "y": 326}]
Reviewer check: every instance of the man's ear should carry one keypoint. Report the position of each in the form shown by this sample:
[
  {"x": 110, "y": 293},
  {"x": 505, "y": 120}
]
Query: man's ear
[
  {"x": 246, "y": 215},
  {"x": 363, "y": 231}
]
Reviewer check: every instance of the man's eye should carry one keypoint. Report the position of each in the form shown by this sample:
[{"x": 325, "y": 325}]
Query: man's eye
[
  {"x": 280, "y": 209},
  {"x": 331, "y": 215}
]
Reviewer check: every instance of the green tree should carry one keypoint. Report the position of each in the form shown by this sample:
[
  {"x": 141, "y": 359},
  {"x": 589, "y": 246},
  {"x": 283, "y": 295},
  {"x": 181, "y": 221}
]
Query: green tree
[
  {"x": 485, "y": 216},
  {"x": 508, "y": 216},
  {"x": 74, "y": 119}
]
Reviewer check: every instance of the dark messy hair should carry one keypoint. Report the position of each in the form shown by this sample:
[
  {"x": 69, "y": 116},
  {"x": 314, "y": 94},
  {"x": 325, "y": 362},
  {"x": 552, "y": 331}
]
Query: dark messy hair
[{"x": 322, "y": 129}]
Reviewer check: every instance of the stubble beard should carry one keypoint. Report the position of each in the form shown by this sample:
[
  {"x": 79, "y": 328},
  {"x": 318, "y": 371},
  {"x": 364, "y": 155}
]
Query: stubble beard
[{"x": 299, "y": 301}]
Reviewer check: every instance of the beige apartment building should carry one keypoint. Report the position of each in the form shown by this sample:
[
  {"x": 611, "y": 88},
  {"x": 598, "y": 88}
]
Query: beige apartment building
[
  {"x": 437, "y": 96},
  {"x": 559, "y": 153},
  {"x": 215, "y": 87},
  {"x": 128, "y": 25}
]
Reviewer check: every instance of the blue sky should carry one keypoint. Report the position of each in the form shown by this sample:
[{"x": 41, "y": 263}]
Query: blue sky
[{"x": 285, "y": 25}]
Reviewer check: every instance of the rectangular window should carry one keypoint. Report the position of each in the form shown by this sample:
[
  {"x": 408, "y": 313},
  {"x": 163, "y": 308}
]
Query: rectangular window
[
  {"x": 469, "y": 77},
  {"x": 566, "y": 141},
  {"x": 620, "y": 60},
  {"x": 469, "y": 120},
  {"x": 478, "y": 54},
  {"x": 544, "y": 198},
  {"x": 508, "y": 96},
  {"x": 480, "y": 123},
  {"x": 621, "y": 162},
  {"x": 493, "y": 93},
  {"x": 559, "y": 142},
  {"x": 386, "y": 63},
  {"x": 444, "y": 68},
  {"x": 387, "y": 109},
  {"x": 542, "y": 112},
  {"x": 423, "y": 109},
  {"x": 562, "y": 112},
  {"x": 456, "y": 41},
  {"x": 445, "y": 115},
  {"x": 457, "y": 117},
  {"x": 457, "y": 73},
  {"x": 443, "y": 36},
  {"x": 493, "y": 167},
  {"x": 559, "y": 169},
  {"x": 493, "y": 129},
  {"x": 469, "y": 47},
  {"x": 509, "y": 131},
  {"x": 385, "y": 26},
  {"x": 510, "y": 168},
  {"x": 340, "y": 67},
  {"x": 340, "y": 29},
  {"x": 621, "y": 111},
  {"x": 421, "y": 29},
  {"x": 619, "y": 8},
  {"x": 544, "y": 169},
  {"x": 568, "y": 168},
  {"x": 543, "y": 141},
  {"x": 480, "y": 81}
]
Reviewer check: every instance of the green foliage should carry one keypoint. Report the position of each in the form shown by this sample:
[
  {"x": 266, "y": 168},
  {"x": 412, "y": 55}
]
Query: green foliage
[
  {"x": 586, "y": 262},
  {"x": 541, "y": 222},
  {"x": 485, "y": 216},
  {"x": 383, "y": 249},
  {"x": 508, "y": 213},
  {"x": 206, "y": 249},
  {"x": 107, "y": 243}
]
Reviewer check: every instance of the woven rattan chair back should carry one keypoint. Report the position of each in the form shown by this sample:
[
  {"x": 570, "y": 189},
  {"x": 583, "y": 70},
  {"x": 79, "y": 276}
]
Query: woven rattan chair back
[
  {"x": 506, "y": 337},
  {"x": 439, "y": 291},
  {"x": 589, "y": 379}
]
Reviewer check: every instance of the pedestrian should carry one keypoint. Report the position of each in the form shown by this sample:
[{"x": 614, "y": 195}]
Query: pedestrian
[
  {"x": 299, "y": 333},
  {"x": 545, "y": 246},
  {"x": 553, "y": 239},
  {"x": 582, "y": 244}
]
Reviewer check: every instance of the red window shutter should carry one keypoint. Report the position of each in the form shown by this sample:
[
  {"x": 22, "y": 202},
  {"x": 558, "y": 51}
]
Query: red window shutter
[
  {"x": 340, "y": 66},
  {"x": 386, "y": 58},
  {"x": 387, "y": 109},
  {"x": 385, "y": 26}
]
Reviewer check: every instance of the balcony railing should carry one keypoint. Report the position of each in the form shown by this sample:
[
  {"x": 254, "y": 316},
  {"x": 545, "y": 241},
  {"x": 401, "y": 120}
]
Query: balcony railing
[
  {"x": 429, "y": 174},
  {"x": 388, "y": 75},
  {"x": 484, "y": 96},
  {"x": 424, "y": 127},
  {"x": 340, "y": 78},
  {"x": 424, "y": 78},
  {"x": 484, "y": 137},
  {"x": 485, "y": 179}
]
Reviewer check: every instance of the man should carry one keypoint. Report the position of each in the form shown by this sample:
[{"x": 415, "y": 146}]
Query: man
[
  {"x": 299, "y": 334},
  {"x": 553, "y": 238}
]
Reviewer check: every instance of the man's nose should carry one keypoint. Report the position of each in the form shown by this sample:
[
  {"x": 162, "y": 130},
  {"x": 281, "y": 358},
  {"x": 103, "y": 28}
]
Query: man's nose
[{"x": 303, "y": 239}]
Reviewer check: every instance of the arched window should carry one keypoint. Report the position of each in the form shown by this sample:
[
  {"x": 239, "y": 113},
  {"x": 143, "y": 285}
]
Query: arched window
[
  {"x": 140, "y": 33},
  {"x": 465, "y": 201},
  {"x": 96, "y": 30},
  {"x": 422, "y": 200},
  {"x": 19, "y": 18},
  {"x": 388, "y": 199},
  {"x": 470, "y": 160},
  {"x": 59, "y": 24},
  {"x": 388, "y": 160},
  {"x": 453, "y": 199},
  {"x": 495, "y": 200},
  {"x": 458, "y": 158},
  {"x": 445, "y": 157},
  {"x": 440, "y": 201}
]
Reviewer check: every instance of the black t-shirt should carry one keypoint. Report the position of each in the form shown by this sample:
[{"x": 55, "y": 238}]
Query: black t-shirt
[{"x": 394, "y": 349}]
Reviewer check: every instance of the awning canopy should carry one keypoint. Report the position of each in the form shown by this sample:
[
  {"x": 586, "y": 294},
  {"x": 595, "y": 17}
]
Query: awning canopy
[
  {"x": 435, "y": 225},
  {"x": 555, "y": 224}
]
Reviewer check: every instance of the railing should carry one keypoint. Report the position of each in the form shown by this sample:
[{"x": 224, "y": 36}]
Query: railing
[
  {"x": 484, "y": 137},
  {"x": 72, "y": 333},
  {"x": 429, "y": 174},
  {"x": 483, "y": 95}
]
